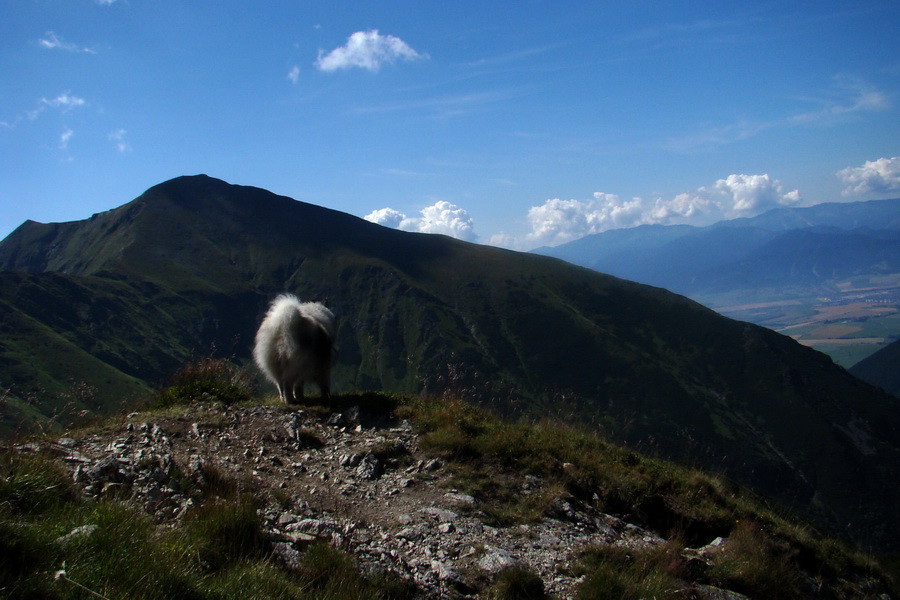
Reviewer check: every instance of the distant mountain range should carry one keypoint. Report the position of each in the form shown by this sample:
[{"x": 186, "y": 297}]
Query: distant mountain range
[
  {"x": 97, "y": 312},
  {"x": 783, "y": 248}
]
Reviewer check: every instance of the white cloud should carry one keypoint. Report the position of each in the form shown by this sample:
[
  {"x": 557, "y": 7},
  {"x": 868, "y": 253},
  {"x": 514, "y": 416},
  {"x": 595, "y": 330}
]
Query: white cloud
[
  {"x": 64, "y": 138},
  {"x": 54, "y": 42},
  {"x": 560, "y": 221},
  {"x": 748, "y": 195},
  {"x": 294, "y": 74},
  {"x": 121, "y": 144},
  {"x": 880, "y": 176},
  {"x": 445, "y": 218},
  {"x": 367, "y": 50},
  {"x": 847, "y": 96},
  {"x": 387, "y": 217},
  {"x": 441, "y": 217},
  {"x": 64, "y": 101}
]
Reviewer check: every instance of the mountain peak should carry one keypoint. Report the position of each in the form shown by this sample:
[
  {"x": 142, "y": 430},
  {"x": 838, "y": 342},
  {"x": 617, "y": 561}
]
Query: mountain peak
[{"x": 189, "y": 267}]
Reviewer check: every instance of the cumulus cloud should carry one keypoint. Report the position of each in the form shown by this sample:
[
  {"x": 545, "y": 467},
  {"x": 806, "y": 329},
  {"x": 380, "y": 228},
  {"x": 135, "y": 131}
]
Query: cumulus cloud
[
  {"x": 294, "y": 74},
  {"x": 880, "y": 176},
  {"x": 367, "y": 50},
  {"x": 387, "y": 217},
  {"x": 747, "y": 195},
  {"x": 560, "y": 221},
  {"x": 441, "y": 217}
]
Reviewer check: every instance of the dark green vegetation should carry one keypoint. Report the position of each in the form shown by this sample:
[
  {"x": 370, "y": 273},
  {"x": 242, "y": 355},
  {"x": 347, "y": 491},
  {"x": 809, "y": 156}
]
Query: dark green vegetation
[
  {"x": 119, "y": 301},
  {"x": 787, "y": 268},
  {"x": 53, "y": 544},
  {"x": 57, "y": 545}
]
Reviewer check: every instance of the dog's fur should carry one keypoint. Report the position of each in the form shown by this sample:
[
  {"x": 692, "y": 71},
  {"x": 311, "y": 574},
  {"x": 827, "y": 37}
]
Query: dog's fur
[{"x": 295, "y": 344}]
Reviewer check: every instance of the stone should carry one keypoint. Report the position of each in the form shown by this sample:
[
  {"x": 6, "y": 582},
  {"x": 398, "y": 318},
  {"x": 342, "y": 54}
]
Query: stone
[
  {"x": 461, "y": 499},
  {"x": 410, "y": 533},
  {"x": 79, "y": 532},
  {"x": 496, "y": 560},
  {"x": 440, "y": 514},
  {"x": 291, "y": 557},
  {"x": 446, "y": 528},
  {"x": 370, "y": 467}
]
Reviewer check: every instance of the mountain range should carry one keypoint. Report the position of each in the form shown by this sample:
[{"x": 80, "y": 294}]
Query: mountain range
[
  {"x": 782, "y": 248},
  {"x": 96, "y": 313}
]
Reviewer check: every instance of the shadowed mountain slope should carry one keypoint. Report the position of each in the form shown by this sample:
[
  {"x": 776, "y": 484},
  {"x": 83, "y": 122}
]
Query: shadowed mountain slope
[
  {"x": 882, "y": 368},
  {"x": 191, "y": 264}
]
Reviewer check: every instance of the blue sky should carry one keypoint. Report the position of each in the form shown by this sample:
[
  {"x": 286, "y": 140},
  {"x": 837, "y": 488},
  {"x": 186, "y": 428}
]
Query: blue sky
[{"x": 513, "y": 123}]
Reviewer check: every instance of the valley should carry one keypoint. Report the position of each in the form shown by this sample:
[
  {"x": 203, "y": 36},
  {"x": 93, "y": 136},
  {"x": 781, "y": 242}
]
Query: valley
[{"x": 847, "y": 320}]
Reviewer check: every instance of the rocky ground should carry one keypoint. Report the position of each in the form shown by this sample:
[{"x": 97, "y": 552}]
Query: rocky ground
[{"x": 358, "y": 481}]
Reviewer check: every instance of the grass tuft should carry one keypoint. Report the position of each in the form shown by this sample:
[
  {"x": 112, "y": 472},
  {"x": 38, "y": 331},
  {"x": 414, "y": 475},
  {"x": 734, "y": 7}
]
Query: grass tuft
[
  {"x": 207, "y": 380},
  {"x": 227, "y": 532},
  {"x": 517, "y": 583}
]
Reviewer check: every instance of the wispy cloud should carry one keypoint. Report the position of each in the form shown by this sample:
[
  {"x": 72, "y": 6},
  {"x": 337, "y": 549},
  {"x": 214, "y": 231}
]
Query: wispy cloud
[
  {"x": 847, "y": 97},
  {"x": 881, "y": 176},
  {"x": 64, "y": 138},
  {"x": 64, "y": 102},
  {"x": 294, "y": 74},
  {"x": 367, "y": 50},
  {"x": 119, "y": 141},
  {"x": 441, "y": 106},
  {"x": 51, "y": 41}
]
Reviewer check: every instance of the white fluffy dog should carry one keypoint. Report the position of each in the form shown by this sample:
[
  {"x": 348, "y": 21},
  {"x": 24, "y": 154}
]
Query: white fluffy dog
[{"x": 295, "y": 344}]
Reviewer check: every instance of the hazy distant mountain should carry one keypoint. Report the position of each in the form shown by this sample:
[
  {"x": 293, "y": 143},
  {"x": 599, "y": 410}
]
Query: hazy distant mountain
[
  {"x": 779, "y": 248},
  {"x": 118, "y": 301}
]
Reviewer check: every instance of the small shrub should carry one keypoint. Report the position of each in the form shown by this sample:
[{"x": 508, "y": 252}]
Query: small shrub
[{"x": 207, "y": 380}]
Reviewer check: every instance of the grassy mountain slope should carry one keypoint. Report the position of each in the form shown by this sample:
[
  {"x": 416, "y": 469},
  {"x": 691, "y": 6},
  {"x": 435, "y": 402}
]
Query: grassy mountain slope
[
  {"x": 580, "y": 517},
  {"x": 191, "y": 264}
]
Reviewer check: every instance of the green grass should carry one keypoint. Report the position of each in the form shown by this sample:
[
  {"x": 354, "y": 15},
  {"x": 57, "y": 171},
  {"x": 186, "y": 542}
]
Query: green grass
[
  {"x": 614, "y": 573},
  {"x": 770, "y": 553},
  {"x": 219, "y": 551}
]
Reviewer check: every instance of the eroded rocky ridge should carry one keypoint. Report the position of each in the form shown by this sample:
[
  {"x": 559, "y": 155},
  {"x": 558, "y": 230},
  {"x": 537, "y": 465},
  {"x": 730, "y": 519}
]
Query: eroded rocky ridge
[{"x": 359, "y": 482}]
